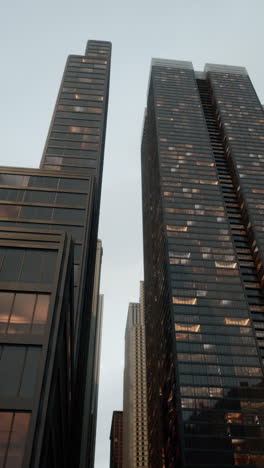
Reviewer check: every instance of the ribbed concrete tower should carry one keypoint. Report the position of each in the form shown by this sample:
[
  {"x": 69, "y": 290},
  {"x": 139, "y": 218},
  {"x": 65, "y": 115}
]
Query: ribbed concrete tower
[{"x": 135, "y": 405}]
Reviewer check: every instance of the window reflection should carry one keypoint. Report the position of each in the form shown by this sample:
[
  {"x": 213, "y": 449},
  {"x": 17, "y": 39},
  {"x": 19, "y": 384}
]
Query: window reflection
[
  {"x": 13, "y": 433},
  {"x": 188, "y": 328},
  {"x": 9, "y": 211},
  {"x": 184, "y": 300},
  {"x": 23, "y": 313},
  {"x": 233, "y": 321},
  {"x": 11, "y": 179},
  {"x": 6, "y": 301},
  {"x": 41, "y": 314}
]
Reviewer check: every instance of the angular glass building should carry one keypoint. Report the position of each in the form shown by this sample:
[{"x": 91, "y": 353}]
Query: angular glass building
[
  {"x": 203, "y": 205},
  {"x": 50, "y": 310}
]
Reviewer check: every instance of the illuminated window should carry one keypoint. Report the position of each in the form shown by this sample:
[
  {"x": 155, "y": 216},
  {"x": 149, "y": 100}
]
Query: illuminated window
[
  {"x": 187, "y": 328},
  {"x": 234, "y": 418},
  {"x": 184, "y": 300},
  {"x": 180, "y": 254},
  {"x": 200, "y": 163},
  {"x": 235, "y": 321},
  {"x": 177, "y": 228},
  {"x": 226, "y": 265}
]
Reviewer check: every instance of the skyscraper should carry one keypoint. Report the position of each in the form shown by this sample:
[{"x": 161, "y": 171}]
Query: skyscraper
[
  {"x": 203, "y": 201},
  {"x": 49, "y": 279},
  {"x": 116, "y": 440},
  {"x": 135, "y": 433}
]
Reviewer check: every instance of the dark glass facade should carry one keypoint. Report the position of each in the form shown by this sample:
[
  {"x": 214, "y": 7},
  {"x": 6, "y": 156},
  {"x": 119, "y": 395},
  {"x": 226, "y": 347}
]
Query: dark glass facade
[
  {"x": 35, "y": 346},
  {"x": 203, "y": 267},
  {"x": 116, "y": 440},
  {"x": 62, "y": 198}
]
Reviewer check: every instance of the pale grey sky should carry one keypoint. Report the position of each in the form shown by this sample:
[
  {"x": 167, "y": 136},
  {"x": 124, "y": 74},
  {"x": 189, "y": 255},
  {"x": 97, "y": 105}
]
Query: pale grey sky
[{"x": 36, "y": 37}]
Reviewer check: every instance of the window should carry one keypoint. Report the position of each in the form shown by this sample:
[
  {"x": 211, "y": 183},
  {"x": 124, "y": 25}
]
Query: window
[
  {"x": 22, "y": 313},
  {"x": 184, "y": 300},
  {"x": 11, "y": 260},
  {"x": 9, "y": 211},
  {"x": 27, "y": 265},
  {"x": 42, "y": 181},
  {"x": 13, "y": 433},
  {"x": 64, "y": 214},
  {"x": 80, "y": 185},
  {"x": 35, "y": 212},
  {"x": 18, "y": 370},
  {"x": 13, "y": 179},
  {"x": 72, "y": 199},
  {"x": 38, "y": 196}
]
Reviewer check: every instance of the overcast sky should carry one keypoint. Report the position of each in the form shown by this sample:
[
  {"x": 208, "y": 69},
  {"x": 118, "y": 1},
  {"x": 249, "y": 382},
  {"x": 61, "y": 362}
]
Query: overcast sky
[{"x": 36, "y": 37}]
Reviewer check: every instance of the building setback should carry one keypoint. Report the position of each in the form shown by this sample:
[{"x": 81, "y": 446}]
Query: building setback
[
  {"x": 135, "y": 433},
  {"x": 203, "y": 201},
  {"x": 61, "y": 199},
  {"x": 116, "y": 440}
]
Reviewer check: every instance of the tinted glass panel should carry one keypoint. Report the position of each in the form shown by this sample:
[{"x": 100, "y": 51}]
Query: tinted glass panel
[
  {"x": 38, "y": 196},
  {"x": 11, "y": 179},
  {"x": 11, "y": 264},
  {"x": 30, "y": 372},
  {"x": 75, "y": 216},
  {"x": 35, "y": 212},
  {"x": 18, "y": 370},
  {"x": 22, "y": 313},
  {"x": 5, "y": 428},
  {"x": 48, "y": 265},
  {"x": 17, "y": 439},
  {"x": 41, "y": 314},
  {"x": 9, "y": 211},
  {"x": 11, "y": 367},
  {"x": 73, "y": 199},
  {"x": 6, "y": 301},
  {"x": 32, "y": 266},
  {"x": 74, "y": 184},
  {"x": 41, "y": 181},
  {"x": 11, "y": 194}
]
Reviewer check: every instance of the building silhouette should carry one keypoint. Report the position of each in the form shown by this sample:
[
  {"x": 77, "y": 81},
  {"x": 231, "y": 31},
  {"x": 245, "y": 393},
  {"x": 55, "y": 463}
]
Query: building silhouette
[
  {"x": 203, "y": 202},
  {"x": 51, "y": 311},
  {"x": 116, "y": 440},
  {"x": 135, "y": 432}
]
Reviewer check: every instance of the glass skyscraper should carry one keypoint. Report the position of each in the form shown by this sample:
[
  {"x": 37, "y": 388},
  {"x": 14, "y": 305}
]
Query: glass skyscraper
[
  {"x": 203, "y": 206},
  {"x": 50, "y": 311}
]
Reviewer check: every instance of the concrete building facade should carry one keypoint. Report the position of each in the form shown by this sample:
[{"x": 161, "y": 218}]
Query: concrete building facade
[{"x": 135, "y": 435}]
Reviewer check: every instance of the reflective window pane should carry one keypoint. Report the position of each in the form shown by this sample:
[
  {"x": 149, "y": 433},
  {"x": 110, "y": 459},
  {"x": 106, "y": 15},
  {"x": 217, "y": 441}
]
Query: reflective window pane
[
  {"x": 22, "y": 313},
  {"x": 11, "y": 366},
  {"x": 35, "y": 212},
  {"x": 42, "y": 181},
  {"x": 38, "y": 196},
  {"x": 11, "y": 179},
  {"x": 5, "y": 428},
  {"x": 6, "y": 301},
  {"x": 72, "y": 199},
  {"x": 48, "y": 266},
  {"x": 11, "y": 265},
  {"x": 75, "y": 216},
  {"x": 31, "y": 268},
  {"x": 30, "y": 372},
  {"x": 41, "y": 314},
  {"x": 17, "y": 440},
  {"x": 9, "y": 211}
]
